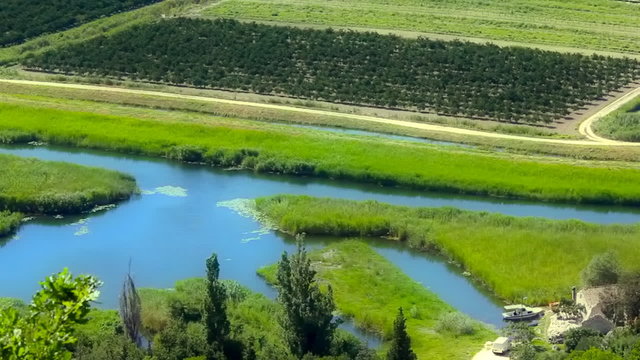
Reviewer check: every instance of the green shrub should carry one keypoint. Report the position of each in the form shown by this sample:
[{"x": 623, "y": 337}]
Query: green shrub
[
  {"x": 455, "y": 323},
  {"x": 603, "y": 269},
  {"x": 581, "y": 337}
]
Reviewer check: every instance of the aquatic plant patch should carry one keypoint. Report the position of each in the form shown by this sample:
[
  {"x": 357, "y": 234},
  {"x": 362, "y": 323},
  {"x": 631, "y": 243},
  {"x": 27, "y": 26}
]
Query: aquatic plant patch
[
  {"x": 42, "y": 187},
  {"x": 516, "y": 257}
]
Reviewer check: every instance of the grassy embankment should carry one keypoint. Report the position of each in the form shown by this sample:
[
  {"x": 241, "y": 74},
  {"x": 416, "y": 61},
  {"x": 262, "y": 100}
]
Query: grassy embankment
[
  {"x": 30, "y": 186},
  {"x": 327, "y": 155},
  {"x": 595, "y": 24},
  {"x": 516, "y": 257},
  {"x": 369, "y": 289},
  {"x": 623, "y": 124},
  {"x": 144, "y": 106}
]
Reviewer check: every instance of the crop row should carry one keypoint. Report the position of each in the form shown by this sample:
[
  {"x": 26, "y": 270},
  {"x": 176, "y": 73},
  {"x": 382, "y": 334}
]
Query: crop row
[
  {"x": 455, "y": 78},
  {"x": 21, "y": 20}
]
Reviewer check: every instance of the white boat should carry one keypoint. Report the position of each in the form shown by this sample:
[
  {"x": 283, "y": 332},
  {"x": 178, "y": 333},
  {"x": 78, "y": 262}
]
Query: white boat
[{"x": 520, "y": 312}]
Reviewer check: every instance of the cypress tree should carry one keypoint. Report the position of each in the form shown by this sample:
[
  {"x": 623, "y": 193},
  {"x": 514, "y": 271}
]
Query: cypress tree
[
  {"x": 401, "y": 342},
  {"x": 307, "y": 319},
  {"x": 215, "y": 311}
]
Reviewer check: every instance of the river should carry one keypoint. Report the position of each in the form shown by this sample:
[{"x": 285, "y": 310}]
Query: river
[{"x": 176, "y": 223}]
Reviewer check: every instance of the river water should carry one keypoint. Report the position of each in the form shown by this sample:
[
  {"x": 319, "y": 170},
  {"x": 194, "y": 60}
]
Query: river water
[{"x": 169, "y": 230}]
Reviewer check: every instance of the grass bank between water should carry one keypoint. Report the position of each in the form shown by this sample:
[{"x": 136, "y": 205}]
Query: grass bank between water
[
  {"x": 516, "y": 257},
  {"x": 369, "y": 289},
  {"x": 44, "y": 187},
  {"x": 283, "y": 151}
]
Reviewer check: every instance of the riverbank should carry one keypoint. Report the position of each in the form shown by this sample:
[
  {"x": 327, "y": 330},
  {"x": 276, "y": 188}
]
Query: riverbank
[
  {"x": 515, "y": 257},
  {"x": 303, "y": 153},
  {"x": 369, "y": 289},
  {"x": 44, "y": 187},
  {"x": 31, "y": 186},
  {"x": 9, "y": 222}
]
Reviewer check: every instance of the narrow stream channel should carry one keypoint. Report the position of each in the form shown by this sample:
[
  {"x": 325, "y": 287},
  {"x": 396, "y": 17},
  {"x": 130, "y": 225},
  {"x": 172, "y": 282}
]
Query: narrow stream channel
[{"x": 170, "y": 229}]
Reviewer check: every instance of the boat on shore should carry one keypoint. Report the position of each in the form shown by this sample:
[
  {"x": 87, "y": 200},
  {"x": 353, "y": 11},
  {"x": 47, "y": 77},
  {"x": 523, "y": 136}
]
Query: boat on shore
[{"x": 521, "y": 313}]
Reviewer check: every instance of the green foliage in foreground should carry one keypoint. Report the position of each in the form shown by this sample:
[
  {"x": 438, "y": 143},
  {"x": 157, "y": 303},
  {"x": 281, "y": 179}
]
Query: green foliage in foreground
[
  {"x": 516, "y": 257},
  {"x": 308, "y": 311},
  {"x": 47, "y": 329},
  {"x": 623, "y": 124},
  {"x": 327, "y": 155},
  {"x": 36, "y": 186},
  {"x": 9, "y": 222},
  {"x": 369, "y": 289}
]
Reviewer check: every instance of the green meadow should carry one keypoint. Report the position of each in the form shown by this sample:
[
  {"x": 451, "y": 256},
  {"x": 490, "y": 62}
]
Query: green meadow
[
  {"x": 369, "y": 289},
  {"x": 580, "y": 24},
  {"x": 515, "y": 257},
  {"x": 288, "y": 151},
  {"x": 43, "y": 187}
]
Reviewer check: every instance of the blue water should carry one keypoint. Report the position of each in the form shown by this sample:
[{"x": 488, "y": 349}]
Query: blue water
[{"x": 168, "y": 236}]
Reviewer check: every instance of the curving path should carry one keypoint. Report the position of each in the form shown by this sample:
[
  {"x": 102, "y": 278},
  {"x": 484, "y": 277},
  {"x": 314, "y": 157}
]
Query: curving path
[{"x": 585, "y": 127}]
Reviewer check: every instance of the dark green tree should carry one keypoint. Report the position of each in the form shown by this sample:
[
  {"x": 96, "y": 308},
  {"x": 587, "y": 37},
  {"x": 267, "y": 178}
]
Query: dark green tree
[
  {"x": 307, "y": 319},
  {"x": 401, "y": 342},
  {"x": 215, "y": 311}
]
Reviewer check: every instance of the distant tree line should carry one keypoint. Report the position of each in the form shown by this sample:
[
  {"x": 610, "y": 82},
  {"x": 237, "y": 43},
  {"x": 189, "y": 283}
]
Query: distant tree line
[
  {"x": 454, "y": 78},
  {"x": 21, "y": 20}
]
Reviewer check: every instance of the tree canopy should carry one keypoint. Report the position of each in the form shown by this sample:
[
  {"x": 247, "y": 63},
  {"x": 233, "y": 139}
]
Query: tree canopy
[{"x": 21, "y": 20}]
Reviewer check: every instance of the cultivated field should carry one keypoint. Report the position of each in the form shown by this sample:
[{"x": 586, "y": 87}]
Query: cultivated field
[
  {"x": 453, "y": 78},
  {"x": 581, "y": 24}
]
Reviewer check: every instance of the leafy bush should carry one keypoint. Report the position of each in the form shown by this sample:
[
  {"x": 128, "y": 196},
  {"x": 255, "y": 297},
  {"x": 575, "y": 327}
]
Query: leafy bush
[
  {"x": 603, "y": 269},
  {"x": 455, "y": 323},
  {"x": 574, "y": 337}
]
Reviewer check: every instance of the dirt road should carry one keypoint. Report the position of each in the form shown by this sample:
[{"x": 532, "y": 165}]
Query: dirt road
[{"x": 585, "y": 127}]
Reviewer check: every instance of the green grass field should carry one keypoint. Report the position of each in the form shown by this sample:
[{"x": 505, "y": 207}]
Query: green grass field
[
  {"x": 580, "y": 24},
  {"x": 147, "y": 107},
  {"x": 327, "y": 155},
  {"x": 34, "y": 186},
  {"x": 623, "y": 124},
  {"x": 369, "y": 289},
  {"x": 516, "y": 257}
]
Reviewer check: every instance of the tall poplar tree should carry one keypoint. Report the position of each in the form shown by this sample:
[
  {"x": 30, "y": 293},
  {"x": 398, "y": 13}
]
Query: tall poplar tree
[
  {"x": 215, "y": 311},
  {"x": 307, "y": 319}
]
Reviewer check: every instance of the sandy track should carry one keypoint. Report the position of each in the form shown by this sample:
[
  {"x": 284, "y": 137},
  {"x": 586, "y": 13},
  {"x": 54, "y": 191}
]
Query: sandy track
[{"x": 585, "y": 127}]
